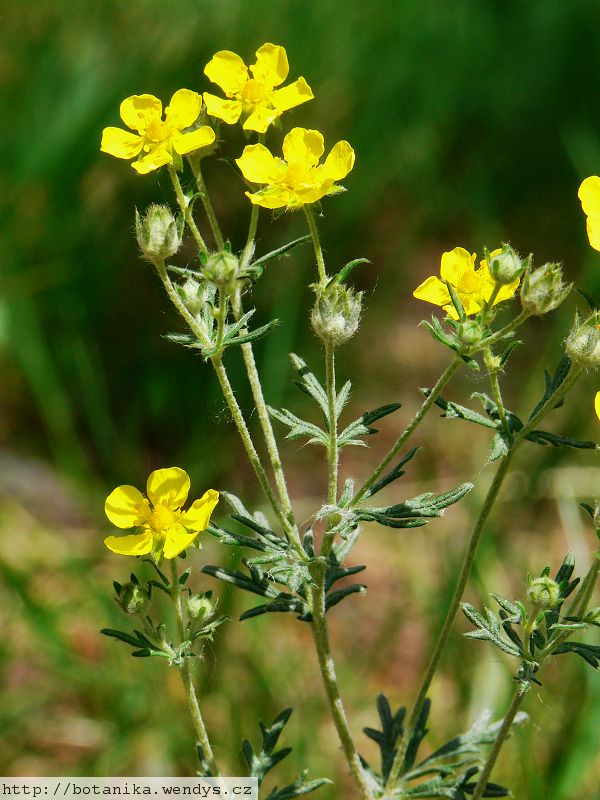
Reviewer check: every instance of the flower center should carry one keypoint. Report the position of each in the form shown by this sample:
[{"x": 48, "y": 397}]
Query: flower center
[
  {"x": 162, "y": 518},
  {"x": 253, "y": 92},
  {"x": 158, "y": 131},
  {"x": 296, "y": 174}
]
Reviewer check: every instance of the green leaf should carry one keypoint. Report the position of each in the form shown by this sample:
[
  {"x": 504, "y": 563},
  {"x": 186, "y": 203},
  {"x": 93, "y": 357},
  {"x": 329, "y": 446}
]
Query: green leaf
[
  {"x": 386, "y": 739},
  {"x": 280, "y": 251},
  {"x": 490, "y": 629},
  {"x": 395, "y": 473},
  {"x": 309, "y": 384},
  {"x": 416, "y": 511},
  {"x": 251, "y": 336},
  {"x": 299, "y": 427},
  {"x": 361, "y": 426},
  {"x": 436, "y": 330},
  {"x": 589, "y": 652},
  {"x": 347, "y": 269},
  {"x": 553, "y": 382}
]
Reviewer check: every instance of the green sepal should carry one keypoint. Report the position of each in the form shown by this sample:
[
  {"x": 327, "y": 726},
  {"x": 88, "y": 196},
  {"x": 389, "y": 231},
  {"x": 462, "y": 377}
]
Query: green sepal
[{"x": 347, "y": 269}]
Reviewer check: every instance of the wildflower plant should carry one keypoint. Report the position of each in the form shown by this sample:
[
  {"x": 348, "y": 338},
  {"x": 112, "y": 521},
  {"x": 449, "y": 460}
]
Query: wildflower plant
[{"x": 301, "y": 568}]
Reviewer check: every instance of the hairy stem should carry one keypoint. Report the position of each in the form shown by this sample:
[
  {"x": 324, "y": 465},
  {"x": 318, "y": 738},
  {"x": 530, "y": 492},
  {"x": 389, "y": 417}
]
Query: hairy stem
[
  {"x": 332, "y": 451},
  {"x": 314, "y": 232},
  {"x": 466, "y": 567},
  {"x": 327, "y": 668},
  {"x": 186, "y": 209},
  {"x": 508, "y": 720},
  {"x": 492, "y": 371},
  {"x": 188, "y": 678},
  {"x": 206, "y": 202},
  {"x": 409, "y": 430}
]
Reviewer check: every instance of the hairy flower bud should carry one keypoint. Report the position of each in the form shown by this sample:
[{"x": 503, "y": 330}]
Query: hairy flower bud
[
  {"x": 506, "y": 266},
  {"x": 335, "y": 316},
  {"x": 200, "y": 606},
  {"x": 469, "y": 334},
  {"x": 221, "y": 269},
  {"x": 544, "y": 592},
  {"x": 157, "y": 233},
  {"x": 583, "y": 343},
  {"x": 133, "y": 598},
  {"x": 192, "y": 295},
  {"x": 543, "y": 289}
]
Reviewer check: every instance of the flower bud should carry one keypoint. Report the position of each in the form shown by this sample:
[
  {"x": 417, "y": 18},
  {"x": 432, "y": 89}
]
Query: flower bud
[
  {"x": 221, "y": 268},
  {"x": 543, "y": 289},
  {"x": 506, "y": 266},
  {"x": 157, "y": 233},
  {"x": 583, "y": 343},
  {"x": 469, "y": 334},
  {"x": 192, "y": 295},
  {"x": 199, "y": 606},
  {"x": 133, "y": 598},
  {"x": 544, "y": 592},
  {"x": 335, "y": 316}
]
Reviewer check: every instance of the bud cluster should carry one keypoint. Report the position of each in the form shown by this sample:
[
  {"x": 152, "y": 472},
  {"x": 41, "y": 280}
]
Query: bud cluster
[{"x": 335, "y": 316}]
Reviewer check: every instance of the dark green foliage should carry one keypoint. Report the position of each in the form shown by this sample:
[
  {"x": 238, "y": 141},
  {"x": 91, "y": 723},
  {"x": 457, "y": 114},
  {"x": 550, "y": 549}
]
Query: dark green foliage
[{"x": 415, "y": 512}]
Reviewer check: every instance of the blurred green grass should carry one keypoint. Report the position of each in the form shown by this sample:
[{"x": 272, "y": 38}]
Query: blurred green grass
[{"x": 473, "y": 123}]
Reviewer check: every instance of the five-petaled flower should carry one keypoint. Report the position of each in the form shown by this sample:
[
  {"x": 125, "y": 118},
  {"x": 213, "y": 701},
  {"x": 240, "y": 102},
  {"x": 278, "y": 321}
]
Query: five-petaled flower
[
  {"x": 589, "y": 194},
  {"x": 157, "y": 139},
  {"x": 474, "y": 287},
  {"x": 256, "y": 97},
  {"x": 164, "y": 529},
  {"x": 298, "y": 179}
]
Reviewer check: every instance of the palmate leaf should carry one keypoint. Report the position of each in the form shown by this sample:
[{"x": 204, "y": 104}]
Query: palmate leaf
[
  {"x": 415, "y": 512},
  {"x": 490, "y": 628}
]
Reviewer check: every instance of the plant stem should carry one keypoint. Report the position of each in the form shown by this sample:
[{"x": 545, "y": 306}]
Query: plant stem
[
  {"x": 492, "y": 371},
  {"x": 265, "y": 423},
  {"x": 508, "y": 720},
  {"x": 465, "y": 570},
  {"x": 405, "y": 435},
  {"x": 327, "y": 667},
  {"x": 511, "y": 326},
  {"x": 314, "y": 232},
  {"x": 332, "y": 451},
  {"x": 248, "y": 250},
  {"x": 188, "y": 679},
  {"x": 186, "y": 209},
  {"x": 206, "y": 202}
]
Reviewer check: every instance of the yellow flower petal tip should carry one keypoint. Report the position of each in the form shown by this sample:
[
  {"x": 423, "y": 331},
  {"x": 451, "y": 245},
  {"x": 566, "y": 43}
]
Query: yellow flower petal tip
[
  {"x": 473, "y": 285},
  {"x": 156, "y": 139},
  {"x": 252, "y": 92},
  {"x": 298, "y": 179},
  {"x": 589, "y": 194},
  {"x": 597, "y": 404},
  {"x": 164, "y": 528}
]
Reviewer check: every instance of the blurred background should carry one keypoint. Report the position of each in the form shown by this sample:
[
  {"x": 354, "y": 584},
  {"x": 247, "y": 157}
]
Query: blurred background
[{"x": 473, "y": 123}]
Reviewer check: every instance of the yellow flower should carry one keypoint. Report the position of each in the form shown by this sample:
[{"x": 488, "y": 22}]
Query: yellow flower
[
  {"x": 156, "y": 139},
  {"x": 597, "y": 404},
  {"x": 254, "y": 97},
  {"x": 298, "y": 179},
  {"x": 589, "y": 194},
  {"x": 473, "y": 286},
  {"x": 165, "y": 530}
]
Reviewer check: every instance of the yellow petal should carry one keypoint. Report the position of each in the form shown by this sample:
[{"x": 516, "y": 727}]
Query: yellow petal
[
  {"x": 139, "y": 110},
  {"x": 271, "y": 66},
  {"x": 589, "y": 194},
  {"x": 125, "y": 507},
  {"x": 292, "y": 95},
  {"x": 257, "y": 164},
  {"x": 156, "y": 157},
  {"x": 136, "y": 544},
  {"x": 455, "y": 264},
  {"x": 120, "y": 143},
  {"x": 176, "y": 540},
  {"x": 169, "y": 486},
  {"x": 260, "y": 118},
  {"x": 506, "y": 292},
  {"x": 339, "y": 162},
  {"x": 272, "y": 197},
  {"x": 307, "y": 193},
  {"x": 302, "y": 146},
  {"x": 433, "y": 290},
  {"x": 197, "y": 517},
  {"x": 227, "y": 110},
  {"x": 597, "y": 404},
  {"x": 184, "y": 108},
  {"x": 186, "y": 142},
  {"x": 228, "y": 71},
  {"x": 593, "y": 231}
]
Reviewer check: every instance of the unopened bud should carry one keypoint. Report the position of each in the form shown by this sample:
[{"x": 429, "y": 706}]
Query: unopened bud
[
  {"x": 506, "y": 266},
  {"x": 336, "y": 313},
  {"x": 192, "y": 295},
  {"x": 133, "y": 598},
  {"x": 221, "y": 268},
  {"x": 543, "y": 289},
  {"x": 544, "y": 592},
  {"x": 199, "y": 606},
  {"x": 583, "y": 343},
  {"x": 157, "y": 232},
  {"x": 469, "y": 334}
]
